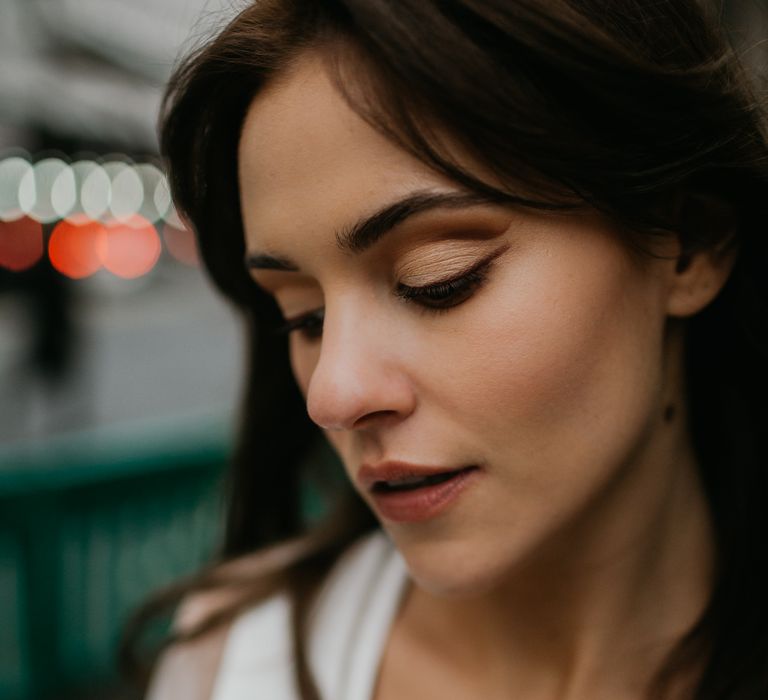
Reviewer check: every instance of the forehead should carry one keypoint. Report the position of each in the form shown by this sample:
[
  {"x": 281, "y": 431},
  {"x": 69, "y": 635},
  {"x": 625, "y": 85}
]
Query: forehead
[{"x": 307, "y": 162}]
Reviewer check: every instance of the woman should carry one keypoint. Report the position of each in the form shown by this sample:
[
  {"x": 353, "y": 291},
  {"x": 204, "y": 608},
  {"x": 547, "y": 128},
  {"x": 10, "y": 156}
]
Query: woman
[{"x": 505, "y": 258}]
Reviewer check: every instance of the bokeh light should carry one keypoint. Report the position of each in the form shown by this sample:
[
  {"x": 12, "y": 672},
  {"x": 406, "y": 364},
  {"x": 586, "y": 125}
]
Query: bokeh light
[
  {"x": 64, "y": 192},
  {"x": 21, "y": 243},
  {"x": 151, "y": 176},
  {"x": 129, "y": 248},
  {"x": 181, "y": 244},
  {"x": 12, "y": 172},
  {"x": 80, "y": 170},
  {"x": 172, "y": 217},
  {"x": 162, "y": 198},
  {"x": 73, "y": 247},
  {"x": 96, "y": 192},
  {"x": 37, "y": 187},
  {"x": 127, "y": 191},
  {"x": 108, "y": 213}
]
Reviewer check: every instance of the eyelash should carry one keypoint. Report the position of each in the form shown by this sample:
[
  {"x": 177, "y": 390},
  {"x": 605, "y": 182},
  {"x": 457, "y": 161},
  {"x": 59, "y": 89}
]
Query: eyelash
[{"x": 445, "y": 292}]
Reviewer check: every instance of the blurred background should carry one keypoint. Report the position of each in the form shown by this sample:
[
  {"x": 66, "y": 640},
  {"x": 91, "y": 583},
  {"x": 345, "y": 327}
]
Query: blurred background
[{"x": 119, "y": 365}]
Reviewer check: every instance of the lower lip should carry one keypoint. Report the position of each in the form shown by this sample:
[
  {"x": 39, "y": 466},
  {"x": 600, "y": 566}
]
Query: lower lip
[{"x": 425, "y": 502}]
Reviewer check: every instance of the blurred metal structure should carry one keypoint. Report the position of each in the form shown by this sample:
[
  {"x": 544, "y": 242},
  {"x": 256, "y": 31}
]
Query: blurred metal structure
[{"x": 88, "y": 525}]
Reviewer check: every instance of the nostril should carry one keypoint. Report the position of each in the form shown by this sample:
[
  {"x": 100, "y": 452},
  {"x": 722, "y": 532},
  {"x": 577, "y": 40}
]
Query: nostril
[{"x": 377, "y": 417}]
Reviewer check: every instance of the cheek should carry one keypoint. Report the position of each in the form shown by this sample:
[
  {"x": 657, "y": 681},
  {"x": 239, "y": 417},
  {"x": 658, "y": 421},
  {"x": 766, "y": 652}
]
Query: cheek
[
  {"x": 552, "y": 379},
  {"x": 557, "y": 369}
]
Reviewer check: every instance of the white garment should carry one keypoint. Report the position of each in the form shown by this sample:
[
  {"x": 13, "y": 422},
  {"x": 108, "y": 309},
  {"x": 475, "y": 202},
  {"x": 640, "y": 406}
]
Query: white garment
[{"x": 349, "y": 625}]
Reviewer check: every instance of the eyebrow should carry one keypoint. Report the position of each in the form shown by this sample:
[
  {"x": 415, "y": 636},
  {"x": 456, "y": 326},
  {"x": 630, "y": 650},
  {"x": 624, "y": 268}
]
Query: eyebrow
[{"x": 364, "y": 233}]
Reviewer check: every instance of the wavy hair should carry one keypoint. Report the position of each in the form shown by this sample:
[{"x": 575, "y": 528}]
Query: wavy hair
[{"x": 639, "y": 108}]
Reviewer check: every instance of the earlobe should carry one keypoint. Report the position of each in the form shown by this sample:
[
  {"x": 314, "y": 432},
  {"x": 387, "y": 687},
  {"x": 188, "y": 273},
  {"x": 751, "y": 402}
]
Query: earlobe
[{"x": 697, "y": 279}]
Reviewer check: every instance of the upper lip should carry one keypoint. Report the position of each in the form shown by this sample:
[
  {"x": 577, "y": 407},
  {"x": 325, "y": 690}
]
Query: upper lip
[{"x": 390, "y": 471}]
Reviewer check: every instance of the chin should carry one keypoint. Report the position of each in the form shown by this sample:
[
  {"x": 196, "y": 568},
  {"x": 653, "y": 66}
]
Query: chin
[{"x": 452, "y": 569}]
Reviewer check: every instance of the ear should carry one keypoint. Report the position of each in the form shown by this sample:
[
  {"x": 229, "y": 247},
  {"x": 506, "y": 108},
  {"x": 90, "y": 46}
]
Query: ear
[{"x": 697, "y": 279}]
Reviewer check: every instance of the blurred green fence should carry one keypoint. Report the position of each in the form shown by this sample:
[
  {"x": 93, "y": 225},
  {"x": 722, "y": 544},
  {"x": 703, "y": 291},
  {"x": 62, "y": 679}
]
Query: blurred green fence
[{"x": 89, "y": 524}]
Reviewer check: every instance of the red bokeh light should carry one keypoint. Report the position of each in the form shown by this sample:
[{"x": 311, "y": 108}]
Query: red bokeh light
[
  {"x": 21, "y": 243},
  {"x": 129, "y": 248},
  {"x": 181, "y": 244},
  {"x": 74, "y": 247}
]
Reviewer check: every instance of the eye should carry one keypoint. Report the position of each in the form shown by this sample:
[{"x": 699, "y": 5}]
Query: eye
[
  {"x": 445, "y": 294},
  {"x": 442, "y": 296},
  {"x": 435, "y": 298},
  {"x": 310, "y": 325}
]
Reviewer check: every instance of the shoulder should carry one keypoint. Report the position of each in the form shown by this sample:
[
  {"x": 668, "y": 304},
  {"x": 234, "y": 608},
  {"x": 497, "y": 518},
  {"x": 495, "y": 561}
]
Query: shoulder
[
  {"x": 255, "y": 651},
  {"x": 261, "y": 635},
  {"x": 187, "y": 670},
  {"x": 347, "y": 626}
]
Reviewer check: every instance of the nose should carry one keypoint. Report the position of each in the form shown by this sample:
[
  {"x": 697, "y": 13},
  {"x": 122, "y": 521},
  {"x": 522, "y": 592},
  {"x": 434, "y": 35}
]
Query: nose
[{"x": 360, "y": 376}]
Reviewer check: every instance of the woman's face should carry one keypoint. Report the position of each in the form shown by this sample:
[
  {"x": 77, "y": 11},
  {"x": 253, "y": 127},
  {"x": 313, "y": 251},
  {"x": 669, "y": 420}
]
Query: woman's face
[{"x": 548, "y": 371}]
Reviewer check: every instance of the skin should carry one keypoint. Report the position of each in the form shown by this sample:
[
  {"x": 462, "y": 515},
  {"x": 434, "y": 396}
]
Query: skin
[{"x": 584, "y": 548}]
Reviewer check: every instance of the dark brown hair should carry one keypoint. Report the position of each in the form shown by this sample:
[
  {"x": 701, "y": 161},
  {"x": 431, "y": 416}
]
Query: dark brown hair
[{"x": 636, "y": 107}]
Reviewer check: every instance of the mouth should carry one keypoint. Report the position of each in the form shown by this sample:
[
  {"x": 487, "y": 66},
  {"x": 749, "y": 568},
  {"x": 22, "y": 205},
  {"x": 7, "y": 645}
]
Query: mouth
[
  {"x": 413, "y": 498},
  {"x": 415, "y": 482}
]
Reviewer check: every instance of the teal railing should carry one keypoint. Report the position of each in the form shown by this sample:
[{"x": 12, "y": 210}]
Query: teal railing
[{"x": 89, "y": 525}]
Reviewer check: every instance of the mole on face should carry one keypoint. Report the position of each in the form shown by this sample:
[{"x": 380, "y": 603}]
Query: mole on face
[{"x": 669, "y": 412}]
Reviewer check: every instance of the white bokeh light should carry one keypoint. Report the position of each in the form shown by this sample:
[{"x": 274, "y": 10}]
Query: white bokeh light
[
  {"x": 95, "y": 192},
  {"x": 64, "y": 193},
  {"x": 172, "y": 218},
  {"x": 127, "y": 190},
  {"x": 162, "y": 197},
  {"x": 12, "y": 172},
  {"x": 36, "y": 189},
  {"x": 151, "y": 177},
  {"x": 114, "y": 190},
  {"x": 80, "y": 169}
]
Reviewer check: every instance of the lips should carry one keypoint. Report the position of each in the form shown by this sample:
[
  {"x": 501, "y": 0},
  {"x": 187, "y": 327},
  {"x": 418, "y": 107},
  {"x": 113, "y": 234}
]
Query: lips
[
  {"x": 392, "y": 475},
  {"x": 408, "y": 493},
  {"x": 413, "y": 482}
]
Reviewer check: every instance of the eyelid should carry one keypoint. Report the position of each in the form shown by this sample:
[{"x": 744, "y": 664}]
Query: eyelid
[{"x": 474, "y": 267}]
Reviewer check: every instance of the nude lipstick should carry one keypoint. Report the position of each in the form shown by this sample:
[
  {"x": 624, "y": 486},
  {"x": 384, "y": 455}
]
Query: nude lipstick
[{"x": 404, "y": 492}]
